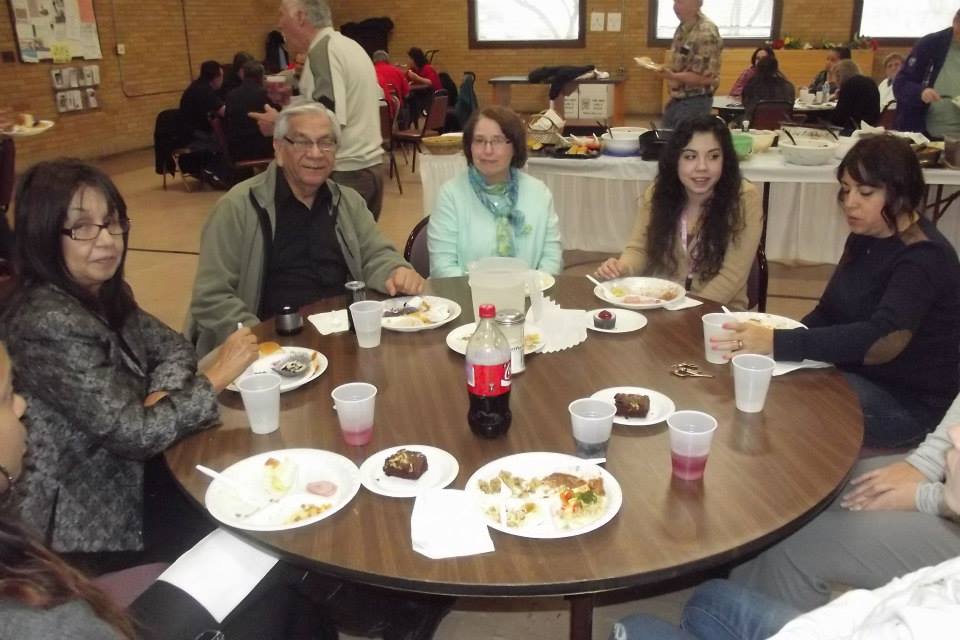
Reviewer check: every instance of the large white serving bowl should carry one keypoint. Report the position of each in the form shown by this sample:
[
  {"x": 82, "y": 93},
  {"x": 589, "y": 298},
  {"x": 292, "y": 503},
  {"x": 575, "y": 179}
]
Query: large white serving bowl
[
  {"x": 624, "y": 133},
  {"x": 625, "y": 146},
  {"x": 808, "y": 152}
]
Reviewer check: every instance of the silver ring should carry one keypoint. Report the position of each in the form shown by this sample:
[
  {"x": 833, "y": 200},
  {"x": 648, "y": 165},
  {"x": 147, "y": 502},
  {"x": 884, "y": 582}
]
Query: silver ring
[{"x": 739, "y": 345}]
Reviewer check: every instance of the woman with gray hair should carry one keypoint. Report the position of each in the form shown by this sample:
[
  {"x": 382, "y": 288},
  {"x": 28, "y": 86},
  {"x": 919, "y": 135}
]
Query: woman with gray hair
[{"x": 858, "y": 99}]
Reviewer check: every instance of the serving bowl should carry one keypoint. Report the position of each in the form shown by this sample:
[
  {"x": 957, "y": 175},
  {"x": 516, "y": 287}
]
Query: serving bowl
[
  {"x": 808, "y": 152},
  {"x": 628, "y": 146},
  {"x": 742, "y": 144},
  {"x": 762, "y": 139},
  {"x": 624, "y": 133}
]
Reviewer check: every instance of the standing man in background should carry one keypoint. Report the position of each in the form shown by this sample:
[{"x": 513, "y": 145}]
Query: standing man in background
[
  {"x": 693, "y": 72},
  {"x": 931, "y": 71},
  {"x": 339, "y": 74}
]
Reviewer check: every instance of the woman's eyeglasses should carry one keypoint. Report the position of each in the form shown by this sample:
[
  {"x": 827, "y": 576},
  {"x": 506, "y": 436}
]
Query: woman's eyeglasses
[
  {"x": 496, "y": 142},
  {"x": 90, "y": 231}
]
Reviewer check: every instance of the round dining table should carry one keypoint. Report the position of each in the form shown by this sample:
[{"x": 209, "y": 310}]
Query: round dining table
[{"x": 767, "y": 474}]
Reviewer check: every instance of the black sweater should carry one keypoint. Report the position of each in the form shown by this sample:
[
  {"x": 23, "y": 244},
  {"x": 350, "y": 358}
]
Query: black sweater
[{"x": 891, "y": 312}]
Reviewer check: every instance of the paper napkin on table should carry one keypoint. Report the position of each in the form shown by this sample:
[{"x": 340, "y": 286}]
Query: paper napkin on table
[
  {"x": 446, "y": 523},
  {"x": 559, "y": 328},
  {"x": 683, "y": 303},
  {"x": 330, "y": 322},
  {"x": 781, "y": 368},
  {"x": 219, "y": 572}
]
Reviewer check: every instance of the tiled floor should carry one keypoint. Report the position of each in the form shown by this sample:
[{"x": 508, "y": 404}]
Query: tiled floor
[{"x": 161, "y": 266}]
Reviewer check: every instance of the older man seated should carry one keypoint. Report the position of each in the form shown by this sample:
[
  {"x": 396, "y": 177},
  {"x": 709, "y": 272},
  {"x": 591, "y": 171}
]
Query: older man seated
[{"x": 289, "y": 236}]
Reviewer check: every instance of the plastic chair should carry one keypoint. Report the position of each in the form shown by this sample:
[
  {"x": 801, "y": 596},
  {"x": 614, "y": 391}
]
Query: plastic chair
[
  {"x": 757, "y": 282},
  {"x": 415, "y": 251},
  {"x": 436, "y": 117},
  {"x": 768, "y": 114}
]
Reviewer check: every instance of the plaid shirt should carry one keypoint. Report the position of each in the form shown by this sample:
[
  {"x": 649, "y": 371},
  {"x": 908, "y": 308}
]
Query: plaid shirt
[{"x": 696, "y": 47}]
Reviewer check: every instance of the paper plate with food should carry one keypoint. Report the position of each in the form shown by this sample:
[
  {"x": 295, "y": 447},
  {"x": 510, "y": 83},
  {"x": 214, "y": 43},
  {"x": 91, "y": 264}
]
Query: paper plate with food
[
  {"x": 637, "y": 406},
  {"x": 408, "y": 470},
  {"x": 545, "y": 495},
  {"x": 459, "y": 337},
  {"x": 296, "y": 366},
  {"x": 25, "y": 126},
  {"x": 543, "y": 279},
  {"x": 616, "y": 320},
  {"x": 283, "y": 489},
  {"x": 768, "y": 320},
  {"x": 640, "y": 293},
  {"x": 418, "y": 313},
  {"x": 647, "y": 63}
]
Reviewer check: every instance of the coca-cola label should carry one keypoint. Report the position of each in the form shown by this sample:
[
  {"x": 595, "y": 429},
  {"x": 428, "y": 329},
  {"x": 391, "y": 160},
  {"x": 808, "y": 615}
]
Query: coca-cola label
[{"x": 488, "y": 380}]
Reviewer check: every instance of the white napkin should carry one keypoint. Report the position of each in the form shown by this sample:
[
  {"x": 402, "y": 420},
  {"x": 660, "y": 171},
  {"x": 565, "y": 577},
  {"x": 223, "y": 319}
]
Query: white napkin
[
  {"x": 330, "y": 322},
  {"x": 560, "y": 328},
  {"x": 782, "y": 368},
  {"x": 683, "y": 303},
  {"x": 219, "y": 572},
  {"x": 446, "y": 523}
]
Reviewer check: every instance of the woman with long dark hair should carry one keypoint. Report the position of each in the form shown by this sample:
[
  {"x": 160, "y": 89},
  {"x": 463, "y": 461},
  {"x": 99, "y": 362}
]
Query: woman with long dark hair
[
  {"x": 109, "y": 386},
  {"x": 890, "y": 316},
  {"x": 767, "y": 84},
  {"x": 700, "y": 222},
  {"x": 747, "y": 75},
  {"x": 424, "y": 81}
]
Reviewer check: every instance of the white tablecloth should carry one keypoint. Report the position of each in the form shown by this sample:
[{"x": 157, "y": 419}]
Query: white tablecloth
[{"x": 596, "y": 201}]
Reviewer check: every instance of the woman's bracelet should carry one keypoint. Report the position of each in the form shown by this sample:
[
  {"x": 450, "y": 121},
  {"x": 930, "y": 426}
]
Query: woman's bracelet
[{"x": 10, "y": 479}]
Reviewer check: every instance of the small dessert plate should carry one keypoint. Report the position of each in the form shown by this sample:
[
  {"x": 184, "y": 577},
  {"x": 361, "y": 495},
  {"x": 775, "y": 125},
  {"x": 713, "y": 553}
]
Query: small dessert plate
[
  {"x": 627, "y": 320},
  {"x": 660, "y": 405},
  {"x": 442, "y": 469}
]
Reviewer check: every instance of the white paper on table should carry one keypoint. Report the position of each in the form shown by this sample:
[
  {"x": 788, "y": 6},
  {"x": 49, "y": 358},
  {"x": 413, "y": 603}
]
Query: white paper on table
[
  {"x": 446, "y": 523},
  {"x": 784, "y": 367},
  {"x": 219, "y": 572},
  {"x": 561, "y": 328},
  {"x": 683, "y": 303},
  {"x": 330, "y": 322}
]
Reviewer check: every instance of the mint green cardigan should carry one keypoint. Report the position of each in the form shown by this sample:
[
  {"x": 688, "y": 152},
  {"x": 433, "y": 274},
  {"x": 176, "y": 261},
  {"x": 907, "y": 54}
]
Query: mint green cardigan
[{"x": 462, "y": 230}]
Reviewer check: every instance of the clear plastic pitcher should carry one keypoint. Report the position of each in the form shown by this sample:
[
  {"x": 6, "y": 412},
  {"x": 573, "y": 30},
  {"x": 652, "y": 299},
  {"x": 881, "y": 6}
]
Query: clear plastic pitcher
[{"x": 498, "y": 281}]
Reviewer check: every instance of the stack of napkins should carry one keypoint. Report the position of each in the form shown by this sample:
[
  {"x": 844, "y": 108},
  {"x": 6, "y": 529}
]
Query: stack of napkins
[
  {"x": 330, "y": 322},
  {"x": 446, "y": 523},
  {"x": 559, "y": 328}
]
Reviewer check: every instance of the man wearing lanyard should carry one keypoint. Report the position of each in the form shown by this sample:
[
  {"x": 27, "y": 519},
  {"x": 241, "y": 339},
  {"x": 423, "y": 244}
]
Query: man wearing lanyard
[{"x": 693, "y": 72}]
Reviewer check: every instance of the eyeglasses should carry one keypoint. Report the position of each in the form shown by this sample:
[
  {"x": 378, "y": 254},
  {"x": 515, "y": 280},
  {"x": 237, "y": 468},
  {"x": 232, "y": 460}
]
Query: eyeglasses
[
  {"x": 497, "y": 142},
  {"x": 90, "y": 231},
  {"x": 303, "y": 145}
]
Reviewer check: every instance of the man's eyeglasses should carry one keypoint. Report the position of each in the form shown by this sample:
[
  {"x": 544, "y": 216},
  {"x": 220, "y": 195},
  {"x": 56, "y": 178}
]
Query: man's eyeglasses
[
  {"x": 326, "y": 145},
  {"x": 90, "y": 231},
  {"x": 497, "y": 142}
]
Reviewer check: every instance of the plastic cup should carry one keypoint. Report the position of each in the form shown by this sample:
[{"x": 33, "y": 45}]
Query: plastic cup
[
  {"x": 367, "y": 321},
  {"x": 498, "y": 281},
  {"x": 592, "y": 422},
  {"x": 713, "y": 327},
  {"x": 751, "y": 380},
  {"x": 261, "y": 400},
  {"x": 690, "y": 435},
  {"x": 355, "y": 403}
]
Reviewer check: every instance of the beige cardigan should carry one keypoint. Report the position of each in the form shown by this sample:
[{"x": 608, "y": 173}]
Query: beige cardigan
[{"x": 729, "y": 285}]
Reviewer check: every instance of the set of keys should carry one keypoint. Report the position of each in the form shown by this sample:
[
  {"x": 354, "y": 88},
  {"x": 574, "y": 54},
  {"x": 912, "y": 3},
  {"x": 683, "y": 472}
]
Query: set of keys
[{"x": 688, "y": 370}]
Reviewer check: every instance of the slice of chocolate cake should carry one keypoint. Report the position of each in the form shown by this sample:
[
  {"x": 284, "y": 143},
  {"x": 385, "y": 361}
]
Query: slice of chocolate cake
[
  {"x": 632, "y": 405},
  {"x": 406, "y": 464}
]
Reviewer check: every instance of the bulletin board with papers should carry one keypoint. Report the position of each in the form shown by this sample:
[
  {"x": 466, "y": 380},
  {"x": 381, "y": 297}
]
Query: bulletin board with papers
[{"x": 55, "y": 30}]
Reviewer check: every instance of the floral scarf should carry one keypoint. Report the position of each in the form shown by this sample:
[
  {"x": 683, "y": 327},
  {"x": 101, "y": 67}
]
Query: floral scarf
[{"x": 501, "y": 200}]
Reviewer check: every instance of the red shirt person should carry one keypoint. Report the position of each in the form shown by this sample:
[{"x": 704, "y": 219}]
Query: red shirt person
[{"x": 391, "y": 79}]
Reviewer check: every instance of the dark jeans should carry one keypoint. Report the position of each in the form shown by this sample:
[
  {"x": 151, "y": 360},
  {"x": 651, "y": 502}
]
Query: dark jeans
[
  {"x": 681, "y": 109},
  {"x": 717, "y": 610},
  {"x": 889, "y": 422}
]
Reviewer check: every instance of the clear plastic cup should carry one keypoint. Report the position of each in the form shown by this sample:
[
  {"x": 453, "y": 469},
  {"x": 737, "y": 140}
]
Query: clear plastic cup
[
  {"x": 713, "y": 327},
  {"x": 691, "y": 433},
  {"x": 367, "y": 322},
  {"x": 592, "y": 422},
  {"x": 498, "y": 281},
  {"x": 261, "y": 400},
  {"x": 355, "y": 403},
  {"x": 751, "y": 381}
]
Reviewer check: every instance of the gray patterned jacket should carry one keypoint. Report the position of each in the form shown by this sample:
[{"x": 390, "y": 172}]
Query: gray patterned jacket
[{"x": 88, "y": 431}]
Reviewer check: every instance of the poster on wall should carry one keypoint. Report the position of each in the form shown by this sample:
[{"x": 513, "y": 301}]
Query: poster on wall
[{"x": 55, "y": 30}]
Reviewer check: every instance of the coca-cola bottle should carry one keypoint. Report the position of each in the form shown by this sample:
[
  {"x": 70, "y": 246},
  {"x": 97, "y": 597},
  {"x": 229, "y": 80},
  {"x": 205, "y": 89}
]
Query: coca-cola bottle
[{"x": 488, "y": 377}]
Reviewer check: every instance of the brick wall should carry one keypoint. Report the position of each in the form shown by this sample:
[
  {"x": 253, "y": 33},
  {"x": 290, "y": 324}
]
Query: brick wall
[
  {"x": 161, "y": 58},
  {"x": 162, "y": 55}
]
